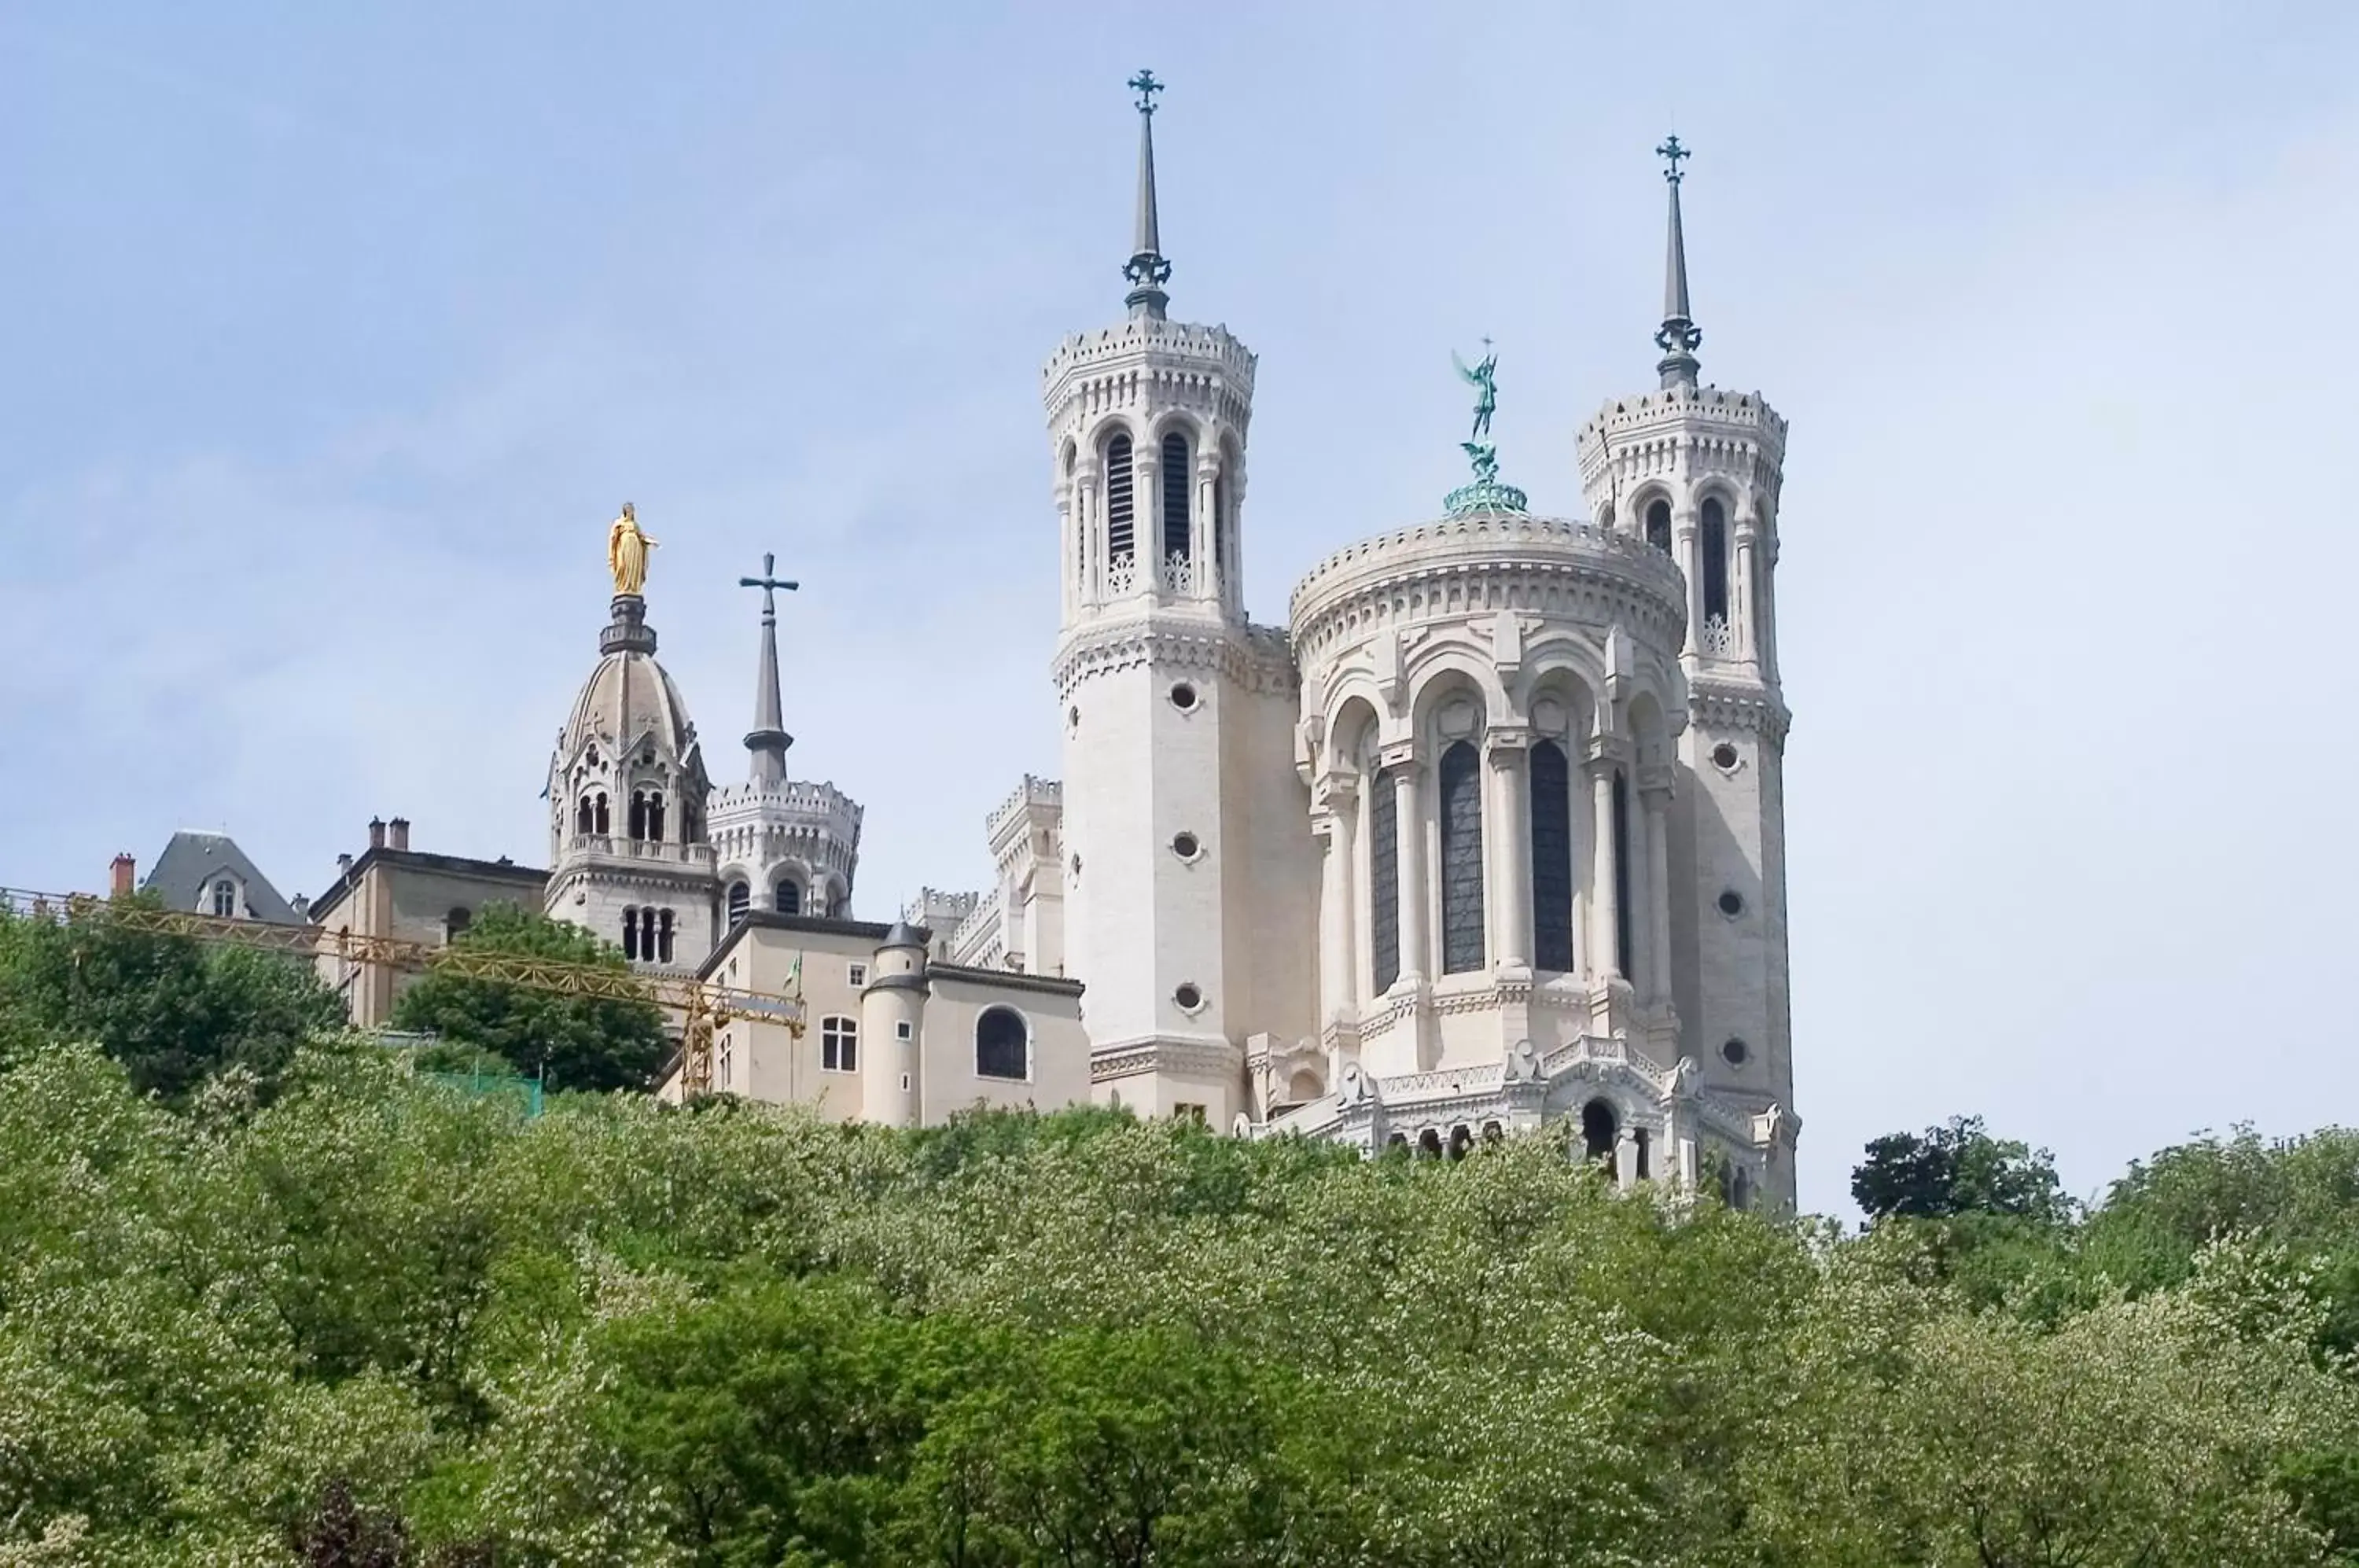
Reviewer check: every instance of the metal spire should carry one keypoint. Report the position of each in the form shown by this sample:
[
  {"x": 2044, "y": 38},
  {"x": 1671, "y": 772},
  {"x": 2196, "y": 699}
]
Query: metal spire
[
  {"x": 1146, "y": 269},
  {"x": 768, "y": 738},
  {"x": 1679, "y": 337}
]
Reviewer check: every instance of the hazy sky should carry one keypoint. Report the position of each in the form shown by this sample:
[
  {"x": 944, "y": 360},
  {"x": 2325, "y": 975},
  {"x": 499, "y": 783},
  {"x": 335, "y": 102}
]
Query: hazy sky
[{"x": 334, "y": 336}]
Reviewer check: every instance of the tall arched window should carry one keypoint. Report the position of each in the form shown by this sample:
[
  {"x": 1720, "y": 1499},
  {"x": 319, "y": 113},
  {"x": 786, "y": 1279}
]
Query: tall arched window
[
  {"x": 584, "y": 819},
  {"x": 1658, "y": 525},
  {"x": 1121, "y": 516},
  {"x": 1461, "y": 858},
  {"x": 631, "y": 934},
  {"x": 1598, "y": 1128},
  {"x": 789, "y": 897},
  {"x": 1003, "y": 1045},
  {"x": 655, "y": 814},
  {"x": 1552, "y": 856},
  {"x": 604, "y": 825},
  {"x": 1623, "y": 880},
  {"x": 639, "y": 823},
  {"x": 1384, "y": 880},
  {"x": 741, "y": 901},
  {"x": 1176, "y": 481},
  {"x": 1713, "y": 545},
  {"x": 663, "y": 936}
]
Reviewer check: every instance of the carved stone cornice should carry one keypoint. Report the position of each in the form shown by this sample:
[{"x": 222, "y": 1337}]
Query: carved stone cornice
[
  {"x": 1253, "y": 657},
  {"x": 1192, "y": 1058},
  {"x": 1717, "y": 702}
]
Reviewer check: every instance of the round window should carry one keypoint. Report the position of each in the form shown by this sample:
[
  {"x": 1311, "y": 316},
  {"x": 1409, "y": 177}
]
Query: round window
[
  {"x": 1724, "y": 756},
  {"x": 1734, "y": 1052},
  {"x": 1185, "y": 846},
  {"x": 1189, "y": 997},
  {"x": 1183, "y": 697},
  {"x": 1732, "y": 903}
]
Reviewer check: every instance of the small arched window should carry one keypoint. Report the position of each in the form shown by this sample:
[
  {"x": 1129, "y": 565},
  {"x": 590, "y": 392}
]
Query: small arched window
[
  {"x": 663, "y": 936},
  {"x": 1658, "y": 525},
  {"x": 1551, "y": 786},
  {"x": 1598, "y": 1128},
  {"x": 1175, "y": 481},
  {"x": 656, "y": 815},
  {"x": 1460, "y": 779},
  {"x": 789, "y": 897},
  {"x": 584, "y": 820},
  {"x": 1122, "y": 520},
  {"x": 639, "y": 819},
  {"x": 1003, "y": 1045},
  {"x": 225, "y": 897},
  {"x": 741, "y": 901},
  {"x": 455, "y": 923},
  {"x": 604, "y": 823},
  {"x": 1384, "y": 881},
  {"x": 631, "y": 934},
  {"x": 1712, "y": 542},
  {"x": 1638, "y": 1136}
]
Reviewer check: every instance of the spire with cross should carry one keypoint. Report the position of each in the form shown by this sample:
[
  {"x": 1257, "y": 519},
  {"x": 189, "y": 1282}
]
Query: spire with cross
[
  {"x": 1678, "y": 337},
  {"x": 1146, "y": 268},
  {"x": 768, "y": 738}
]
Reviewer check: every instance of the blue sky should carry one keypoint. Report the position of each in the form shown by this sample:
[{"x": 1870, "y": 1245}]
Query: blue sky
[{"x": 336, "y": 334}]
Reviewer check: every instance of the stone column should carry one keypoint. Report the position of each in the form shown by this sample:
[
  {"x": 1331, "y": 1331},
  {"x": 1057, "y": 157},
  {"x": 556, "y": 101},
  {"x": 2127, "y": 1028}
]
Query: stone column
[
  {"x": 1657, "y": 793},
  {"x": 1070, "y": 548},
  {"x": 1685, "y": 530},
  {"x": 1625, "y": 1156},
  {"x": 1512, "y": 860},
  {"x": 1146, "y": 516},
  {"x": 1207, "y": 525},
  {"x": 1085, "y": 502},
  {"x": 1407, "y": 771},
  {"x": 1744, "y": 612},
  {"x": 1604, "y": 918},
  {"x": 1338, "y": 965}
]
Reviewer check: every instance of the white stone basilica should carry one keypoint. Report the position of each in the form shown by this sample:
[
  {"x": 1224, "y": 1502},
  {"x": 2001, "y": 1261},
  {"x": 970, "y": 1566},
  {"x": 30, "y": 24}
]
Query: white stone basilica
[{"x": 1489, "y": 836}]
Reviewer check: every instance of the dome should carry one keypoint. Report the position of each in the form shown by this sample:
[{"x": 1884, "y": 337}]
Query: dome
[{"x": 629, "y": 697}]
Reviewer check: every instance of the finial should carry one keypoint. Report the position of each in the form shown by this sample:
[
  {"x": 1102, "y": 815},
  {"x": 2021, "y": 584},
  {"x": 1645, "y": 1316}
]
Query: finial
[
  {"x": 1678, "y": 337},
  {"x": 1146, "y": 268}
]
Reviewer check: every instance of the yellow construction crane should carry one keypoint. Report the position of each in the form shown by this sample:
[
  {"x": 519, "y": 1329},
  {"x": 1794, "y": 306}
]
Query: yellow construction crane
[{"x": 701, "y": 1007}]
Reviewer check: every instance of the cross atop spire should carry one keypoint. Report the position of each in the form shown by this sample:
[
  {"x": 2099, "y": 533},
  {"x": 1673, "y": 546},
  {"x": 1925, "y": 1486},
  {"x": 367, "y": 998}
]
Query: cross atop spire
[
  {"x": 1679, "y": 337},
  {"x": 768, "y": 738},
  {"x": 1146, "y": 268}
]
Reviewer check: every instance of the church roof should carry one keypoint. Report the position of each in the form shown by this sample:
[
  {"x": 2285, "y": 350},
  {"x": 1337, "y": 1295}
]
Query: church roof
[
  {"x": 192, "y": 860},
  {"x": 629, "y": 696}
]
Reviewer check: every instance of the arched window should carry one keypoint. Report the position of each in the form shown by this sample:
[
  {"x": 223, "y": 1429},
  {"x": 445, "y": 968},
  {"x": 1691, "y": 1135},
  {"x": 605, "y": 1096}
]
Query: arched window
[
  {"x": 1003, "y": 1045},
  {"x": 455, "y": 923},
  {"x": 604, "y": 825},
  {"x": 789, "y": 897},
  {"x": 663, "y": 936},
  {"x": 1713, "y": 545},
  {"x": 584, "y": 819},
  {"x": 1623, "y": 880},
  {"x": 1646, "y": 1171},
  {"x": 639, "y": 823},
  {"x": 225, "y": 898},
  {"x": 1121, "y": 520},
  {"x": 654, "y": 815},
  {"x": 1384, "y": 880},
  {"x": 1551, "y": 786},
  {"x": 741, "y": 901},
  {"x": 1175, "y": 481},
  {"x": 1597, "y": 1131},
  {"x": 631, "y": 936},
  {"x": 1658, "y": 525},
  {"x": 839, "y": 1044},
  {"x": 1461, "y": 859}
]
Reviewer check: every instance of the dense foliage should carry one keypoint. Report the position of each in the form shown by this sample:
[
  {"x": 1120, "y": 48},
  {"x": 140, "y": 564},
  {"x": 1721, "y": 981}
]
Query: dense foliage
[
  {"x": 375, "y": 1320},
  {"x": 571, "y": 1043}
]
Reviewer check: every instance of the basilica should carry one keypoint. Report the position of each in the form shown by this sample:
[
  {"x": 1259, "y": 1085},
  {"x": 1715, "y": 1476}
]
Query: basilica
[{"x": 1488, "y": 836}]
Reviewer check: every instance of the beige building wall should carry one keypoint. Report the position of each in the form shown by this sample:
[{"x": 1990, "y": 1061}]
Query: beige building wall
[{"x": 409, "y": 896}]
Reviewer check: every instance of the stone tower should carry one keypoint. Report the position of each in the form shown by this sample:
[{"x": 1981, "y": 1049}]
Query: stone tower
[
  {"x": 628, "y": 855},
  {"x": 1695, "y": 471},
  {"x": 1190, "y": 876},
  {"x": 780, "y": 844}
]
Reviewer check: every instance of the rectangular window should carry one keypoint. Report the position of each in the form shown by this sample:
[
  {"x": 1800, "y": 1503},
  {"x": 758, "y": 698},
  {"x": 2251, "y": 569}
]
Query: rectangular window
[
  {"x": 1186, "y": 1112},
  {"x": 839, "y": 1044},
  {"x": 1384, "y": 881},
  {"x": 903, "y": 1030},
  {"x": 858, "y": 974}
]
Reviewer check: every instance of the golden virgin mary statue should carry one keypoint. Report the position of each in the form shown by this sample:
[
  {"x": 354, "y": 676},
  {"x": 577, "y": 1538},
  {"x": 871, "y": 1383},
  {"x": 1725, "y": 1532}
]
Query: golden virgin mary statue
[{"x": 626, "y": 552}]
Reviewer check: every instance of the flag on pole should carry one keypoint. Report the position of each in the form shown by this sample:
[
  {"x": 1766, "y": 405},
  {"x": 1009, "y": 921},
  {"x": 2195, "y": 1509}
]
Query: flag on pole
[{"x": 795, "y": 977}]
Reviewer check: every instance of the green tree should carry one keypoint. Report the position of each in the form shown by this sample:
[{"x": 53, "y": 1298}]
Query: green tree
[
  {"x": 171, "y": 1010},
  {"x": 1957, "y": 1169},
  {"x": 580, "y": 1043}
]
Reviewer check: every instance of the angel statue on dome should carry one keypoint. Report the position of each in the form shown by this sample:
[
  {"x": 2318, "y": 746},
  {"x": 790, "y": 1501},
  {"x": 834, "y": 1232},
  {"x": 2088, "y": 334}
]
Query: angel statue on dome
[
  {"x": 626, "y": 553},
  {"x": 1484, "y": 378}
]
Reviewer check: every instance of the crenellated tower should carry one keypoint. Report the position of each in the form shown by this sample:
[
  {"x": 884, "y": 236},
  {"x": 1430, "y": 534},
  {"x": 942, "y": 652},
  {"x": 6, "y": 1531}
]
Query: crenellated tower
[
  {"x": 1181, "y": 801},
  {"x": 1695, "y": 471}
]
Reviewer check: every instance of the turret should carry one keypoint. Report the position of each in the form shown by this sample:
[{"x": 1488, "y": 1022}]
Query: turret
[{"x": 893, "y": 1022}]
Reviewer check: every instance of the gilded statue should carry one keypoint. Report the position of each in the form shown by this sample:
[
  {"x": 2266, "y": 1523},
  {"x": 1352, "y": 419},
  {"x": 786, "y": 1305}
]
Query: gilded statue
[{"x": 626, "y": 552}]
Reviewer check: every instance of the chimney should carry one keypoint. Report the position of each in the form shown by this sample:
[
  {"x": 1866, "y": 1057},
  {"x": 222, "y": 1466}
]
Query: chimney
[
  {"x": 301, "y": 904},
  {"x": 344, "y": 865},
  {"x": 376, "y": 833},
  {"x": 400, "y": 826},
  {"x": 124, "y": 867}
]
